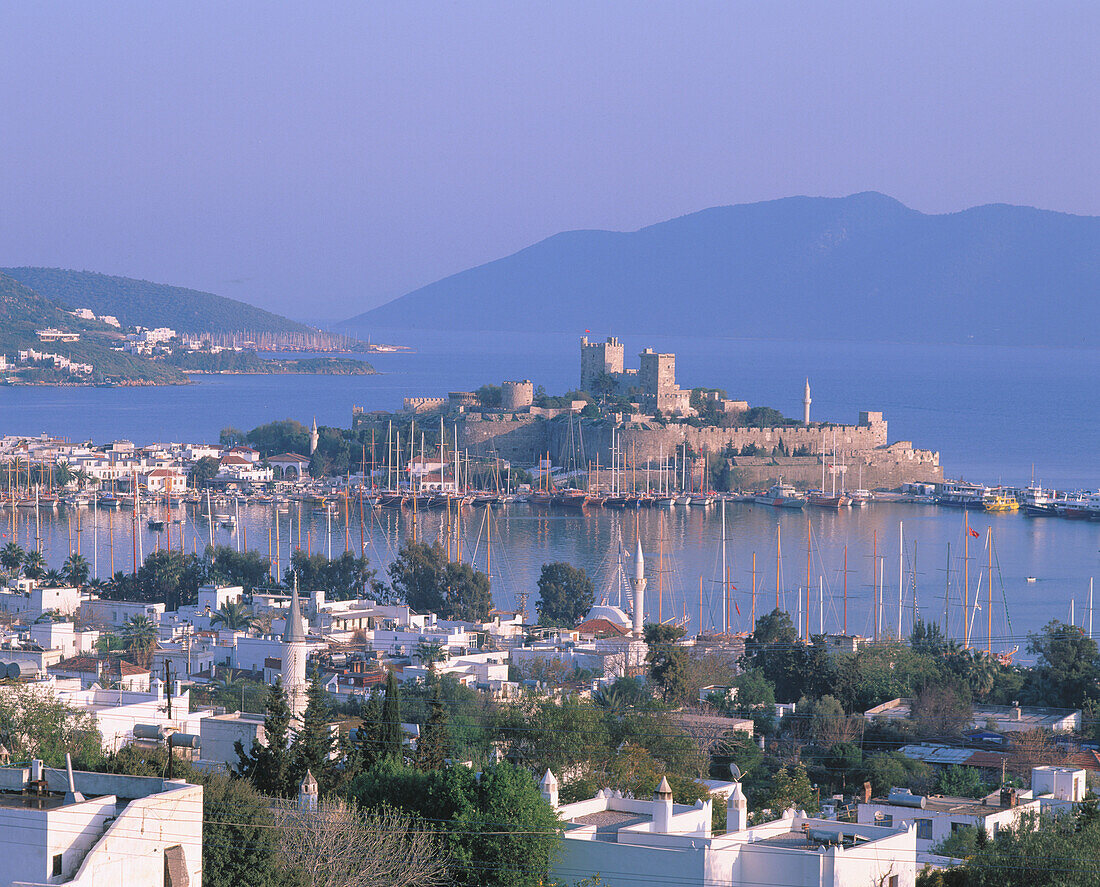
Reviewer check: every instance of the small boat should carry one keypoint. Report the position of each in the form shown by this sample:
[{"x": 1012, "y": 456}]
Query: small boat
[
  {"x": 664, "y": 501},
  {"x": 998, "y": 503},
  {"x": 683, "y": 499},
  {"x": 1031, "y": 579},
  {"x": 962, "y": 495},
  {"x": 155, "y": 525},
  {"x": 540, "y": 498},
  {"x": 703, "y": 499},
  {"x": 616, "y": 501},
  {"x": 572, "y": 498},
  {"x": 781, "y": 495},
  {"x": 822, "y": 500}
]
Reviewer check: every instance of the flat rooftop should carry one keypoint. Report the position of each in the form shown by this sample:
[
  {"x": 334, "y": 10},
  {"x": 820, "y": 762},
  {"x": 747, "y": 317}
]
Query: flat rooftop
[
  {"x": 608, "y": 822},
  {"x": 946, "y": 804}
]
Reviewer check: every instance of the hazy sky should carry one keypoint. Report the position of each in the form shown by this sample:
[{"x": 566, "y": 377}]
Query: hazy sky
[{"x": 321, "y": 158}]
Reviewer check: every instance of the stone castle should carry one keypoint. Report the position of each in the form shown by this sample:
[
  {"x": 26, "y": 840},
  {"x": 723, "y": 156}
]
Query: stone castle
[{"x": 662, "y": 425}]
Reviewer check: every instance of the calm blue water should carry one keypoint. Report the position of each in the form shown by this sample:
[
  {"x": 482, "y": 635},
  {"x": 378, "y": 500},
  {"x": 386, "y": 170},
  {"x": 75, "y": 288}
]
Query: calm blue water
[
  {"x": 994, "y": 413},
  {"x": 683, "y": 555}
]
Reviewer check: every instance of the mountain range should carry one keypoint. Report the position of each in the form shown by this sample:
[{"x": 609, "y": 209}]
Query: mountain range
[
  {"x": 857, "y": 267},
  {"x": 142, "y": 303}
]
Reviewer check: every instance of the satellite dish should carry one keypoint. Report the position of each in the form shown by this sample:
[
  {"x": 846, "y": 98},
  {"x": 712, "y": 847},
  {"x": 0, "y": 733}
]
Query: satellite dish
[{"x": 735, "y": 772}]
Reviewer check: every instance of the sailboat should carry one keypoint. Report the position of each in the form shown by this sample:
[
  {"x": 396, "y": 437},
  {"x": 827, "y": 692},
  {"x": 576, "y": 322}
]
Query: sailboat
[{"x": 818, "y": 498}]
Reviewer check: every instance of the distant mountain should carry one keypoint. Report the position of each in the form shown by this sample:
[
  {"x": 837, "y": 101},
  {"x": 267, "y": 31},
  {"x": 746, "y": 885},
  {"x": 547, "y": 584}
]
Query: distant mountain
[
  {"x": 858, "y": 267},
  {"x": 23, "y": 311},
  {"x": 141, "y": 303}
]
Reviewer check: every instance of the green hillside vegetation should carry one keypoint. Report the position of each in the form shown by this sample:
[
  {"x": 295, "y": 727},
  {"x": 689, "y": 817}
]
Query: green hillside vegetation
[
  {"x": 142, "y": 303},
  {"x": 22, "y": 311},
  {"x": 250, "y": 362}
]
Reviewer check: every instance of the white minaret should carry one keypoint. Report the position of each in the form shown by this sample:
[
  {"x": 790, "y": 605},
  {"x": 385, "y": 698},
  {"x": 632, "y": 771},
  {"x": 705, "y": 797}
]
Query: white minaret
[
  {"x": 313, "y": 437},
  {"x": 806, "y": 401},
  {"x": 294, "y": 658},
  {"x": 637, "y": 583}
]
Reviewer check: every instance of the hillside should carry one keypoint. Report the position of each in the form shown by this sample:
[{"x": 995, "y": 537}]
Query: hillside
[
  {"x": 22, "y": 311},
  {"x": 141, "y": 303},
  {"x": 858, "y": 267}
]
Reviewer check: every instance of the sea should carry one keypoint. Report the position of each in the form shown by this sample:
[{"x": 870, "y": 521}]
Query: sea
[{"x": 995, "y": 414}]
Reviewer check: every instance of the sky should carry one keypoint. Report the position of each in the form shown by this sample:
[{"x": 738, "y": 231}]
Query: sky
[{"x": 321, "y": 158}]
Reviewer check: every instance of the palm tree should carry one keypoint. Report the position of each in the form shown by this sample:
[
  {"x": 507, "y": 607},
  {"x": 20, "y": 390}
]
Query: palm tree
[
  {"x": 62, "y": 474},
  {"x": 82, "y": 478},
  {"x": 34, "y": 565},
  {"x": 140, "y": 636},
  {"x": 75, "y": 570},
  {"x": 52, "y": 579},
  {"x": 11, "y": 557},
  {"x": 430, "y": 653},
  {"x": 234, "y": 616}
]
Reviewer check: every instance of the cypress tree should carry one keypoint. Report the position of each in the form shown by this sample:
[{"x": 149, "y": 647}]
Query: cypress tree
[
  {"x": 269, "y": 767},
  {"x": 390, "y": 725},
  {"x": 313, "y": 745},
  {"x": 433, "y": 746}
]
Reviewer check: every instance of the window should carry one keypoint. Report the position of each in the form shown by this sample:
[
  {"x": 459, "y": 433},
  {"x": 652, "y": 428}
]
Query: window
[
  {"x": 887, "y": 820},
  {"x": 56, "y": 866},
  {"x": 955, "y": 826},
  {"x": 924, "y": 829},
  {"x": 892, "y": 881}
]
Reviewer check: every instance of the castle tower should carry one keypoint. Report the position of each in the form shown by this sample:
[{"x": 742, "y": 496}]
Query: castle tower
[
  {"x": 806, "y": 401},
  {"x": 313, "y": 437},
  {"x": 637, "y": 583},
  {"x": 294, "y": 658}
]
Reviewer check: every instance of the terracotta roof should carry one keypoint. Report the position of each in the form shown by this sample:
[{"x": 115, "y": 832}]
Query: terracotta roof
[
  {"x": 288, "y": 457},
  {"x": 600, "y": 627},
  {"x": 1086, "y": 760},
  {"x": 235, "y": 460}
]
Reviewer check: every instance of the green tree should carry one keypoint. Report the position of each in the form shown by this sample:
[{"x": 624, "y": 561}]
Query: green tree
[
  {"x": 962, "y": 782},
  {"x": 793, "y": 789},
  {"x": 884, "y": 770},
  {"x": 249, "y": 569},
  {"x": 313, "y": 745},
  {"x": 1065, "y": 673},
  {"x": 512, "y": 836},
  {"x": 466, "y": 593},
  {"x": 37, "y": 725},
  {"x": 343, "y": 578},
  {"x": 566, "y": 594},
  {"x": 389, "y": 732},
  {"x": 417, "y": 576},
  {"x": 203, "y": 472},
  {"x": 239, "y": 839},
  {"x": 667, "y": 660},
  {"x": 232, "y": 437},
  {"x": 233, "y": 615},
  {"x": 140, "y": 636},
  {"x": 433, "y": 746},
  {"x": 34, "y": 565},
  {"x": 774, "y": 649},
  {"x": 11, "y": 557},
  {"x": 489, "y": 396},
  {"x": 753, "y": 697},
  {"x": 270, "y": 766},
  {"x": 75, "y": 570}
]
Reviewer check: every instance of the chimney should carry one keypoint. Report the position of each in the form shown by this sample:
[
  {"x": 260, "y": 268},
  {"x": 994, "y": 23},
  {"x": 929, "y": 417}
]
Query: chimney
[
  {"x": 737, "y": 810},
  {"x": 1008, "y": 797},
  {"x": 865, "y": 795},
  {"x": 549, "y": 789},
  {"x": 662, "y": 807}
]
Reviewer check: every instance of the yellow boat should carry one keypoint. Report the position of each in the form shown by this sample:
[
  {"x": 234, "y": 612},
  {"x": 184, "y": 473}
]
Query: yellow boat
[{"x": 998, "y": 503}]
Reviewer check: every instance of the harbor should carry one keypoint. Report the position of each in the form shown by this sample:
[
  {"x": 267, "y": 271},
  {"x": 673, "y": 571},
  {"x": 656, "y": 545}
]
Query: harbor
[{"x": 848, "y": 559}]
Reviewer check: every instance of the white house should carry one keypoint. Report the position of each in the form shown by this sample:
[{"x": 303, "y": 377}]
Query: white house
[
  {"x": 632, "y": 842},
  {"x": 32, "y": 601},
  {"x": 165, "y": 480},
  {"x": 88, "y": 829},
  {"x": 937, "y": 817},
  {"x": 115, "y": 614},
  {"x": 62, "y": 636}
]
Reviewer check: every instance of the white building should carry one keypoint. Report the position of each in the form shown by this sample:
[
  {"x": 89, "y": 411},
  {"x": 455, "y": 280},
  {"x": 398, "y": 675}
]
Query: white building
[
  {"x": 937, "y": 817},
  {"x": 645, "y": 843},
  {"x": 115, "y": 614},
  {"x": 31, "y": 601},
  {"x": 165, "y": 480},
  {"x": 93, "y": 829},
  {"x": 62, "y": 636},
  {"x": 294, "y": 659}
]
